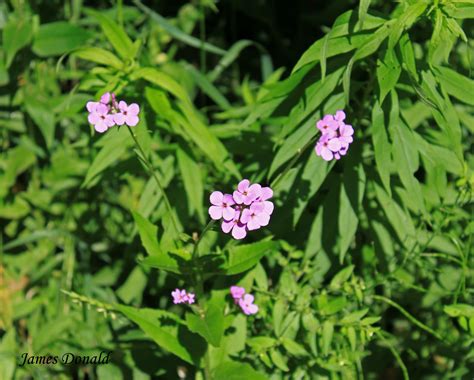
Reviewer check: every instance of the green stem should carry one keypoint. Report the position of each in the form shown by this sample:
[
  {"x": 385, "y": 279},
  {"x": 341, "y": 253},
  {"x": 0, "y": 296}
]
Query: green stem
[
  {"x": 149, "y": 166},
  {"x": 196, "y": 243},
  {"x": 292, "y": 162},
  {"x": 408, "y": 315}
]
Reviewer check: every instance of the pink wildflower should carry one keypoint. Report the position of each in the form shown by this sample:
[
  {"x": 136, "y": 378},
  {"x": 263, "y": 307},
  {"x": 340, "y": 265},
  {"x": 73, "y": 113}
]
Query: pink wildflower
[
  {"x": 181, "y": 296},
  {"x": 335, "y": 138},
  {"x": 108, "y": 112},
  {"x": 247, "y": 193},
  {"x": 100, "y": 117},
  {"x": 247, "y": 209},
  {"x": 127, "y": 115},
  {"x": 221, "y": 206},
  {"x": 237, "y": 292},
  {"x": 247, "y": 305}
]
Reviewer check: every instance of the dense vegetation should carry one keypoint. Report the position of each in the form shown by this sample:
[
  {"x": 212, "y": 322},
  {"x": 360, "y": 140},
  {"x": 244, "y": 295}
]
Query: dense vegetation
[{"x": 365, "y": 269}]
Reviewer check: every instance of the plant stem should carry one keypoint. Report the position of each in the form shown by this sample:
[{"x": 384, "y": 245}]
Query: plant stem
[
  {"x": 149, "y": 166},
  {"x": 207, "y": 228}
]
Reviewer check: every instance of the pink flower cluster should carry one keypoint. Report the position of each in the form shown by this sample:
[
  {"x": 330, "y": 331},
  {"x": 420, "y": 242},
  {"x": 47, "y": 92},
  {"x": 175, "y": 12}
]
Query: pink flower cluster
[
  {"x": 181, "y": 296},
  {"x": 245, "y": 301},
  {"x": 107, "y": 113},
  {"x": 335, "y": 138},
  {"x": 247, "y": 209}
]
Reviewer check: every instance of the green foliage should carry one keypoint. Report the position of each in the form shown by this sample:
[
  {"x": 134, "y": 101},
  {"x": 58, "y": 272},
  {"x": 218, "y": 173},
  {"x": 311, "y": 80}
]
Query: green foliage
[{"x": 365, "y": 268}]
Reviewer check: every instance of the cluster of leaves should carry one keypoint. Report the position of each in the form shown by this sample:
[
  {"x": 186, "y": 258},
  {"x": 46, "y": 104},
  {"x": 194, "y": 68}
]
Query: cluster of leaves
[{"x": 365, "y": 268}]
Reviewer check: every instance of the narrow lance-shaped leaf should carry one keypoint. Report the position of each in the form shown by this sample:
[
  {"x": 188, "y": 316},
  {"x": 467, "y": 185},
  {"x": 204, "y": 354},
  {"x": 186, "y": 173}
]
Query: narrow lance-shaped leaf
[{"x": 382, "y": 146}]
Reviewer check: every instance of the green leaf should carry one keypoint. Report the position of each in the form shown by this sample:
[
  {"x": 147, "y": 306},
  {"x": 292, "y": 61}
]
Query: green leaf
[
  {"x": 178, "y": 33},
  {"x": 314, "y": 173},
  {"x": 328, "y": 331},
  {"x": 116, "y": 35},
  {"x": 382, "y": 146},
  {"x": 350, "y": 199},
  {"x": 294, "y": 348},
  {"x": 244, "y": 257},
  {"x": 368, "y": 48},
  {"x": 229, "y": 57},
  {"x": 279, "y": 360},
  {"x": 100, "y": 56},
  {"x": 341, "y": 277},
  {"x": 210, "y": 326},
  {"x": 363, "y": 8},
  {"x": 57, "y": 38},
  {"x": 459, "y": 309},
  {"x": 167, "y": 331},
  {"x": 16, "y": 35},
  {"x": 231, "y": 370},
  {"x": 405, "y": 21},
  {"x": 114, "y": 145},
  {"x": 353, "y": 317},
  {"x": 455, "y": 84},
  {"x": 40, "y": 111},
  {"x": 208, "y": 88},
  {"x": 192, "y": 178},
  {"x": 148, "y": 235},
  {"x": 162, "y": 80},
  {"x": 388, "y": 72}
]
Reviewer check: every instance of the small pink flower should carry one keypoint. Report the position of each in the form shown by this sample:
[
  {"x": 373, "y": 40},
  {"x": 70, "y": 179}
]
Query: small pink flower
[
  {"x": 181, "y": 296},
  {"x": 221, "y": 206},
  {"x": 128, "y": 114},
  {"x": 327, "y": 125},
  {"x": 247, "y": 305},
  {"x": 238, "y": 229},
  {"x": 255, "y": 216},
  {"x": 345, "y": 134},
  {"x": 237, "y": 293},
  {"x": 327, "y": 146},
  {"x": 191, "y": 297},
  {"x": 335, "y": 138},
  {"x": 247, "y": 193},
  {"x": 100, "y": 117}
]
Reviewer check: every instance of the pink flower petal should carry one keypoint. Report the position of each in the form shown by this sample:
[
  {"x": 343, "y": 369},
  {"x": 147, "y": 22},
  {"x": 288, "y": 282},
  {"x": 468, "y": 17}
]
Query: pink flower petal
[
  {"x": 248, "y": 298},
  {"x": 91, "y": 106},
  {"x": 340, "y": 115},
  {"x": 253, "y": 224},
  {"x": 105, "y": 99},
  {"x": 267, "y": 193},
  {"x": 228, "y": 200},
  {"x": 269, "y": 207},
  {"x": 100, "y": 127},
  {"x": 245, "y": 217},
  {"x": 131, "y": 120},
  {"x": 238, "y": 197},
  {"x": 239, "y": 231},
  {"x": 326, "y": 154},
  {"x": 334, "y": 145},
  {"x": 216, "y": 198},
  {"x": 263, "y": 219},
  {"x": 226, "y": 226},
  {"x": 215, "y": 212},
  {"x": 133, "y": 109},
  {"x": 251, "y": 309},
  {"x": 123, "y": 106},
  {"x": 243, "y": 185},
  {"x": 228, "y": 213},
  {"x": 119, "y": 118}
]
